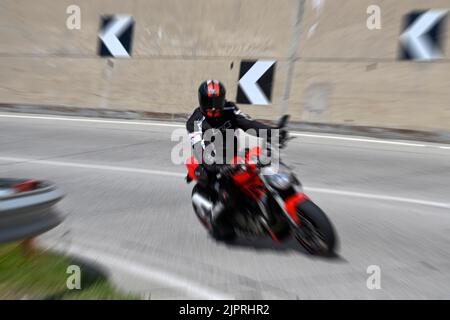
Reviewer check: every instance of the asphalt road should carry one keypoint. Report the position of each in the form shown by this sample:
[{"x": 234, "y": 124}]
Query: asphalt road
[{"x": 129, "y": 207}]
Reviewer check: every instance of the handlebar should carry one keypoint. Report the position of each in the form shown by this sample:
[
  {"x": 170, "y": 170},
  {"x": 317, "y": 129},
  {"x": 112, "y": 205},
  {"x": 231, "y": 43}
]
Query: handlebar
[{"x": 284, "y": 138}]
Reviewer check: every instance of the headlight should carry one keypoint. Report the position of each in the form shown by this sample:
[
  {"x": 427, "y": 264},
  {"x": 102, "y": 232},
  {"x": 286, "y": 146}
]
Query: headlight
[{"x": 280, "y": 181}]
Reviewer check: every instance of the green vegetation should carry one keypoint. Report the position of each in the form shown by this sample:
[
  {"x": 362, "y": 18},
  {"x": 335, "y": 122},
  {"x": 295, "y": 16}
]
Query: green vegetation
[{"x": 42, "y": 274}]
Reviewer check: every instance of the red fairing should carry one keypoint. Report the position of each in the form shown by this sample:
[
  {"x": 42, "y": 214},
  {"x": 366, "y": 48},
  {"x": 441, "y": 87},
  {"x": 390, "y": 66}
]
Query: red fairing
[
  {"x": 291, "y": 204},
  {"x": 191, "y": 165},
  {"x": 250, "y": 184},
  {"x": 248, "y": 181}
]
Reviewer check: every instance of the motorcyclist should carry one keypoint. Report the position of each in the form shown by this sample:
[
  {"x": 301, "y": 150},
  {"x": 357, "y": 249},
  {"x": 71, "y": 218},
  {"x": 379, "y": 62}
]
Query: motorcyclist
[{"x": 218, "y": 114}]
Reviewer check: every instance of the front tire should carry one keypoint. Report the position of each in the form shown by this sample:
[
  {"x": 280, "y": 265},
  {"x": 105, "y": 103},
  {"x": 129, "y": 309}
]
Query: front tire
[{"x": 315, "y": 232}]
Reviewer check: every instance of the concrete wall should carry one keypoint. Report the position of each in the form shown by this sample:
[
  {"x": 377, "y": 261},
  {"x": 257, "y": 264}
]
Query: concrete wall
[
  {"x": 358, "y": 72},
  {"x": 343, "y": 73}
]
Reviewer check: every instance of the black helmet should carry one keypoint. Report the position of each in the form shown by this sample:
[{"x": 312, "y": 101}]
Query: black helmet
[{"x": 211, "y": 97}]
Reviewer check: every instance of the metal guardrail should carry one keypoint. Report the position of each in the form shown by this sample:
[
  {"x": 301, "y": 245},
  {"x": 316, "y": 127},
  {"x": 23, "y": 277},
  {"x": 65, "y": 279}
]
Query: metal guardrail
[{"x": 24, "y": 215}]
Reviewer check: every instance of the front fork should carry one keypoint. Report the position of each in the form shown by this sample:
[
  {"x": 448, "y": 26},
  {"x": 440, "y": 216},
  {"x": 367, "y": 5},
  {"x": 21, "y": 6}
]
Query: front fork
[{"x": 289, "y": 205}]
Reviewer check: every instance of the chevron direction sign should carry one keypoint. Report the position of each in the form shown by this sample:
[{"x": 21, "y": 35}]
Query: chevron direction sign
[
  {"x": 116, "y": 36},
  {"x": 422, "y": 38},
  {"x": 256, "y": 82}
]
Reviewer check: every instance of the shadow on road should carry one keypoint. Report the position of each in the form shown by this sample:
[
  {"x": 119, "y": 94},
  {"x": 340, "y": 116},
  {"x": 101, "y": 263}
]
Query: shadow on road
[{"x": 288, "y": 246}]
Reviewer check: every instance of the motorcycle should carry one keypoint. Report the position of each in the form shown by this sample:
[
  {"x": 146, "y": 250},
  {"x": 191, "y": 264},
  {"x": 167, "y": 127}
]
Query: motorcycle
[{"x": 271, "y": 203}]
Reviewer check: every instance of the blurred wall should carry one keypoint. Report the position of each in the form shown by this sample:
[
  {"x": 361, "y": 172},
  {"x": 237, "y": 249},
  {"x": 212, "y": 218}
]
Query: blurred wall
[{"x": 341, "y": 72}]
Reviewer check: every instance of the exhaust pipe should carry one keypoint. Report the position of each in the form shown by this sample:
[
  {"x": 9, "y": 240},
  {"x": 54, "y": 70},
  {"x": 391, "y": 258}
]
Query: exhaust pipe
[{"x": 201, "y": 202}]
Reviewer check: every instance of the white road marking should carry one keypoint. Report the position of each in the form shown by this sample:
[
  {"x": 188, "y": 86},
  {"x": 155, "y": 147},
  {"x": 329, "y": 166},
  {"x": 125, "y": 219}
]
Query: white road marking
[
  {"x": 359, "y": 139},
  {"x": 144, "y": 272},
  {"x": 379, "y": 197},
  {"x": 92, "y": 166},
  {"x": 165, "y": 124},
  {"x": 175, "y": 174},
  {"x": 162, "y": 124}
]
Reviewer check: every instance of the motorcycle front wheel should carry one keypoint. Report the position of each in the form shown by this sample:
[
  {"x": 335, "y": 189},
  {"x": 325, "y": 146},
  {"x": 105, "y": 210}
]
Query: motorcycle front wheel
[{"x": 315, "y": 232}]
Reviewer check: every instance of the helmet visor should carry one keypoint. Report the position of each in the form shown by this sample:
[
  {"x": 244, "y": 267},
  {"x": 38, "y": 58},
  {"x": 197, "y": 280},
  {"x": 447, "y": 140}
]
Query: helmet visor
[{"x": 212, "y": 102}]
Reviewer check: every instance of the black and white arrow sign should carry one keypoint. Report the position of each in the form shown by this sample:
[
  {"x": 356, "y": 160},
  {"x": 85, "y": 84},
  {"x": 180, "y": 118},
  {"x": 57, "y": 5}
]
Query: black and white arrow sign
[
  {"x": 422, "y": 39},
  {"x": 255, "y": 82},
  {"x": 116, "y": 36}
]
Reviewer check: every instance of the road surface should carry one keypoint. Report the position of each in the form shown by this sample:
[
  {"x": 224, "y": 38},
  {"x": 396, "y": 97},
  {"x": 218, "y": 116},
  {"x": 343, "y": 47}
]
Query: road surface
[{"x": 129, "y": 207}]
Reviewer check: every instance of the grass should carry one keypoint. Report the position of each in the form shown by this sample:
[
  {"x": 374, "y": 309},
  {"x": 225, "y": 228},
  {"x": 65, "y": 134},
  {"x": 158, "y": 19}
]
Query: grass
[{"x": 42, "y": 274}]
